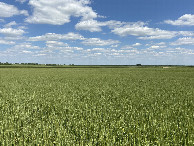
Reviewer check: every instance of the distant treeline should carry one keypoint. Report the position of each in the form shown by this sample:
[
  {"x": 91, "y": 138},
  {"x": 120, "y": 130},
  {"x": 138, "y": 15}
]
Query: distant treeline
[{"x": 7, "y": 63}]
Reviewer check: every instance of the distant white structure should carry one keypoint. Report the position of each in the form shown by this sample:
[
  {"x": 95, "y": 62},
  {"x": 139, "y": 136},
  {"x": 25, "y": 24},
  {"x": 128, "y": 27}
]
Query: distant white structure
[{"x": 166, "y": 67}]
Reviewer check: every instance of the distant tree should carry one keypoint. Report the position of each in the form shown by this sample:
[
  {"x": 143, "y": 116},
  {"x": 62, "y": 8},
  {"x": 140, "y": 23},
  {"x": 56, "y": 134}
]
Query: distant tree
[
  {"x": 51, "y": 64},
  {"x": 32, "y": 63},
  {"x": 138, "y": 64}
]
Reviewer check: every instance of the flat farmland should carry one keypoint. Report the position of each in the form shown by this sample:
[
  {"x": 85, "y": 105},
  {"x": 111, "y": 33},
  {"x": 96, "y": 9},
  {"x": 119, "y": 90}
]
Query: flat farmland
[{"x": 97, "y": 106}]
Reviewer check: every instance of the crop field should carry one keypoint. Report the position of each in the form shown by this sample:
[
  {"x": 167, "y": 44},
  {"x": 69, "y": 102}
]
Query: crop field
[{"x": 97, "y": 106}]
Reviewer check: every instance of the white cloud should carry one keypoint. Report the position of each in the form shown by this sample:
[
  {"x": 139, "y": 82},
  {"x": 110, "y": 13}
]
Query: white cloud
[
  {"x": 95, "y": 26},
  {"x": 127, "y": 47},
  {"x": 154, "y": 47},
  {"x": 10, "y": 10},
  {"x": 97, "y": 54},
  {"x": 98, "y": 49},
  {"x": 22, "y": 27},
  {"x": 58, "y": 12},
  {"x": 186, "y": 19},
  {"x": 55, "y": 43},
  {"x": 130, "y": 51},
  {"x": 40, "y": 55},
  {"x": 90, "y": 25},
  {"x": 130, "y": 47},
  {"x": 74, "y": 48},
  {"x": 114, "y": 46},
  {"x": 5, "y": 42},
  {"x": 20, "y": 49},
  {"x": 186, "y": 33},
  {"x": 73, "y": 36},
  {"x": 136, "y": 44},
  {"x": 178, "y": 50},
  {"x": 99, "y": 42},
  {"x": 54, "y": 36},
  {"x": 26, "y": 46},
  {"x": 10, "y": 32},
  {"x": 167, "y": 36},
  {"x": 142, "y": 31},
  {"x": 14, "y": 38},
  {"x": 139, "y": 29},
  {"x": 21, "y": 1},
  {"x": 161, "y": 43},
  {"x": 10, "y": 24},
  {"x": 64, "y": 47},
  {"x": 27, "y": 52},
  {"x": 184, "y": 41}
]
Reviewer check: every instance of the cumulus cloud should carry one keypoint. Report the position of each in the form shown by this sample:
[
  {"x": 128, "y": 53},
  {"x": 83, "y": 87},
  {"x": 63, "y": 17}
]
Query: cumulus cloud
[
  {"x": 155, "y": 47},
  {"x": 40, "y": 55},
  {"x": 98, "y": 49},
  {"x": 74, "y": 48},
  {"x": 136, "y": 44},
  {"x": 73, "y": 36},
  {"x": 139, "y": 29},
  {"x": 126, "y": 47},
  {"x": 27, "y": 52},
  {"x": 186, "y": 33},
  {"x": 21, "y": 1},
  {"x": 161, "y": 43},
  {"x": 90, "y": 25},
  {"x": 58, "y": 12},
  {"x": 184, "y": 41},
  {"x": 20, "y": 49},
  {"x": 26, "y": 46},
  {"x": 10, "y": 24},
  {"x": 54, "y": 36},
  {"x": 114, "y": 46},
  {"x": 186, "y": 19},
  {"x": 55, "y": 43},
  {"x": 130, "y": 47},
  {"x": 10, "y": 32},
  {"x": 6, "y": 42},
  {"x": 10, "y": 10},
  {"x": 178, "y": 51},
  {"x": 142, "y": 31},
  {"x": 61, "y": 46},
  {"x": 99, "y": 42},
  {"x": 96, "y": 26}
]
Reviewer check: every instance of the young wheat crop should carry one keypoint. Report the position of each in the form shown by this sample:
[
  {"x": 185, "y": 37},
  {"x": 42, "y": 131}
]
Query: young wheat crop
[{"x": 103, "y": 106}]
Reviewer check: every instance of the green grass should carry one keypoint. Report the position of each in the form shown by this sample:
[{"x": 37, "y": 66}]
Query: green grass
[{"x": 97, "y": 106}]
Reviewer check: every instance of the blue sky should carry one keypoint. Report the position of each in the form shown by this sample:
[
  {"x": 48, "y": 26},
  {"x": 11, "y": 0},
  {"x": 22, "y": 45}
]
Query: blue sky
[{"x": 97, "y": 31}]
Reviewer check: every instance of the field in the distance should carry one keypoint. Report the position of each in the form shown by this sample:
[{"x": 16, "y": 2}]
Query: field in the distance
[{"x": 97, "y": 106}]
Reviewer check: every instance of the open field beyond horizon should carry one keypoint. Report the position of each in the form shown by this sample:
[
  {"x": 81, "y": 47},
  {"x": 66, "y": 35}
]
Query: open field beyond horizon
[{"x": 97, "y": 106}]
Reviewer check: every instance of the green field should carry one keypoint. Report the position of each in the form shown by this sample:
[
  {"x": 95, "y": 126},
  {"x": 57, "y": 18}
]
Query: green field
[{"x": 97, "y": 106}]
